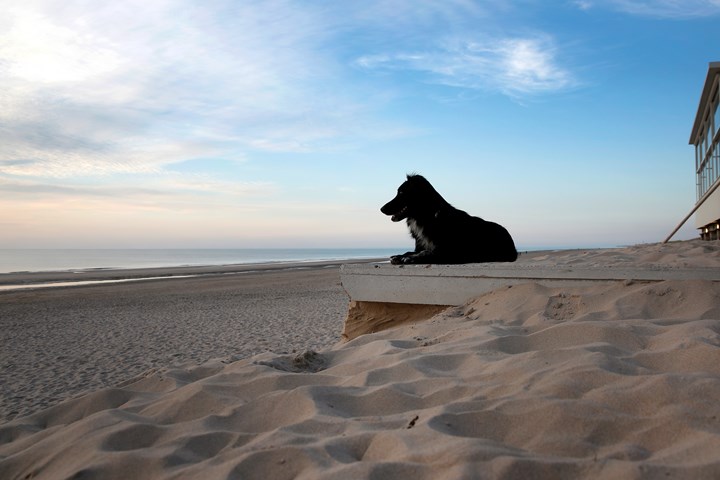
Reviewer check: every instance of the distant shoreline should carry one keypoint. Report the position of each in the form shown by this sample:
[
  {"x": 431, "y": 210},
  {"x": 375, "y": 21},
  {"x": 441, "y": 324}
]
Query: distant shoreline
[
  {"x": 70, "y": 278},
  {"x": 23, "y": 261}
]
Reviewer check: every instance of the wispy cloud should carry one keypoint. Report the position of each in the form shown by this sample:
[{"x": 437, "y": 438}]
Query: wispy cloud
[
  {"x": 167, "y": 192},
  {"x": 102, "y": 88},
  {"x": 670, "y": 9},
  {"x": 583, "y": 4},
  {"x": 169, "y": 106},
  {"x": 514, "y": 66}
]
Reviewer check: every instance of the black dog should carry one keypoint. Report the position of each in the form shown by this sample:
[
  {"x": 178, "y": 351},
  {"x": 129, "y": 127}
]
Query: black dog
[{"x": 442, "y": 233}]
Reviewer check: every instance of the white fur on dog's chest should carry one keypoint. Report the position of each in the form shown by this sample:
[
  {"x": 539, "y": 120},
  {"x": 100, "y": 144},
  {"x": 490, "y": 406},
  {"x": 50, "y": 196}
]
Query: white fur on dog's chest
[{"x": 417, "y": 233}]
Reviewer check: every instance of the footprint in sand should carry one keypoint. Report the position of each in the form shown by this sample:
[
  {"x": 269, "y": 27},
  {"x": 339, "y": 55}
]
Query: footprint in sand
[{"x": 562, "y": 307}]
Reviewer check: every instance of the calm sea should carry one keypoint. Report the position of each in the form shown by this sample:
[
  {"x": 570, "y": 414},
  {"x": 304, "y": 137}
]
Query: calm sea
[{"x": 32, "y": 260}]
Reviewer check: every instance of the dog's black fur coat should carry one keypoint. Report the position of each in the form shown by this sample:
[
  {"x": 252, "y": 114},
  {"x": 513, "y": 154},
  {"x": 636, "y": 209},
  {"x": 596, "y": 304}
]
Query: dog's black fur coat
[{"x": 442, "y": 233}]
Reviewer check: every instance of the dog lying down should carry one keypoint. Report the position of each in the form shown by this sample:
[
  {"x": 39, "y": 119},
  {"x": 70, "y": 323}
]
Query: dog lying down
[{"x": 442, "y": 233}]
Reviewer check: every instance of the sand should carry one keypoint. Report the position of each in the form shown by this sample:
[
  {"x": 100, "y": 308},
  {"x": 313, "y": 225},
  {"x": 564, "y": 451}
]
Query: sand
[
  {"x": 603, "y": 381},
  {"x": 60, "y": 342}
]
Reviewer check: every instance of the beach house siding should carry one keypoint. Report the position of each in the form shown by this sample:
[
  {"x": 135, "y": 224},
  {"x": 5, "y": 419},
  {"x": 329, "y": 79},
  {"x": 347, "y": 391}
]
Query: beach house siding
[{"x": 705, "y": 137}]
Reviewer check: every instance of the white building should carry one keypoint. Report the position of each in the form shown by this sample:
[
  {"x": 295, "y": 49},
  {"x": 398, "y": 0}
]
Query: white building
[{"x": 706, "y": 139}]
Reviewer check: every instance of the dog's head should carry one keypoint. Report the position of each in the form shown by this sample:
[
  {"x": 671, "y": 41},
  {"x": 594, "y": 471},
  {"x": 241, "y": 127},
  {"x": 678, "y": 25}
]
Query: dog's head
[{"x": 412, "y": 199}]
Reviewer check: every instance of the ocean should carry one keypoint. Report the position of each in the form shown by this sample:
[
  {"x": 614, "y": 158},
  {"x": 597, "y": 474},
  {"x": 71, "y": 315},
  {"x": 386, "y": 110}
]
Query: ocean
[{"x": 48, "y": 260}]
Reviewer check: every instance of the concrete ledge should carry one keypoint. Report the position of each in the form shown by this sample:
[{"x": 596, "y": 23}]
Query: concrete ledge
[
  {"x": 456, "y": 284},
  {"x": 384, "y": 296}
]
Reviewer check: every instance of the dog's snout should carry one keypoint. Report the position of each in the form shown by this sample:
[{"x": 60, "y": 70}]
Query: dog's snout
[{"x": 387, "y": 209}]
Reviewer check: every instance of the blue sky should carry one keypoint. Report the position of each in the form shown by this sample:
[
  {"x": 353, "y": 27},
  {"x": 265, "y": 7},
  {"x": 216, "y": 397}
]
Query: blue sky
[{"x": 177, "y": 123}]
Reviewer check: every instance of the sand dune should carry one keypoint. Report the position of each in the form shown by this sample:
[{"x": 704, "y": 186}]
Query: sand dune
[{"x": 607, "y": 381}]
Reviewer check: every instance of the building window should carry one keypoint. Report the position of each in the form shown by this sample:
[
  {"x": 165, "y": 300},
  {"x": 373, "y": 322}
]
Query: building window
[{"x": 707, "y": 149}]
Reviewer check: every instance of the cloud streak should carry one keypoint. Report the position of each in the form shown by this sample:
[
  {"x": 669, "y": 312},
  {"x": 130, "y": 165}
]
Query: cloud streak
[
  {"x": 120, "y": 78},
  {"x": 670, "y": 9},
  {"x": 514, "y": 66},
  {"x": 98, "y": 89},
  {"x": 111, "y": 88}
]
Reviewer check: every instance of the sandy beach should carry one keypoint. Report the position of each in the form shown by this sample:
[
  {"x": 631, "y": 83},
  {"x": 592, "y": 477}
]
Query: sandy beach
[
  {"x": 603, "y": 381},
  {"x": 59, "y": 342}
]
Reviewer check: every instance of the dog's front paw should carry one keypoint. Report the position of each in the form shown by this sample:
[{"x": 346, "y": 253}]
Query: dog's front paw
[
  {"x": 397, "y": 259},
  {"x": 404, "y": 260}
]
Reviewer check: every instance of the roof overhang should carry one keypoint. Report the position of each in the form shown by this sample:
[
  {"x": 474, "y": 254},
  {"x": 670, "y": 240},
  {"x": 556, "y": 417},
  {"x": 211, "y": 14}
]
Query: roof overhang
[{"x": 713, "y": 69}]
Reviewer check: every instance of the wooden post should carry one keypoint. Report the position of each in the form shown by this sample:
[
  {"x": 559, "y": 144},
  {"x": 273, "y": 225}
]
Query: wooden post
[{"x": 697, "y": 205}]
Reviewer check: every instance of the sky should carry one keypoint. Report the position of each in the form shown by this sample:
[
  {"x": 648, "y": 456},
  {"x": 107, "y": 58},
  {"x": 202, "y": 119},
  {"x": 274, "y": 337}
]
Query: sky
[{"x": 281, "y": 123}]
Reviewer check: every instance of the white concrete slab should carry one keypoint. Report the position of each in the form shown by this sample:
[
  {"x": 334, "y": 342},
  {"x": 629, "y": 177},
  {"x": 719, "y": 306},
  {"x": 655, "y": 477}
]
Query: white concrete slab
[{"x": 456, "y": 284}]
